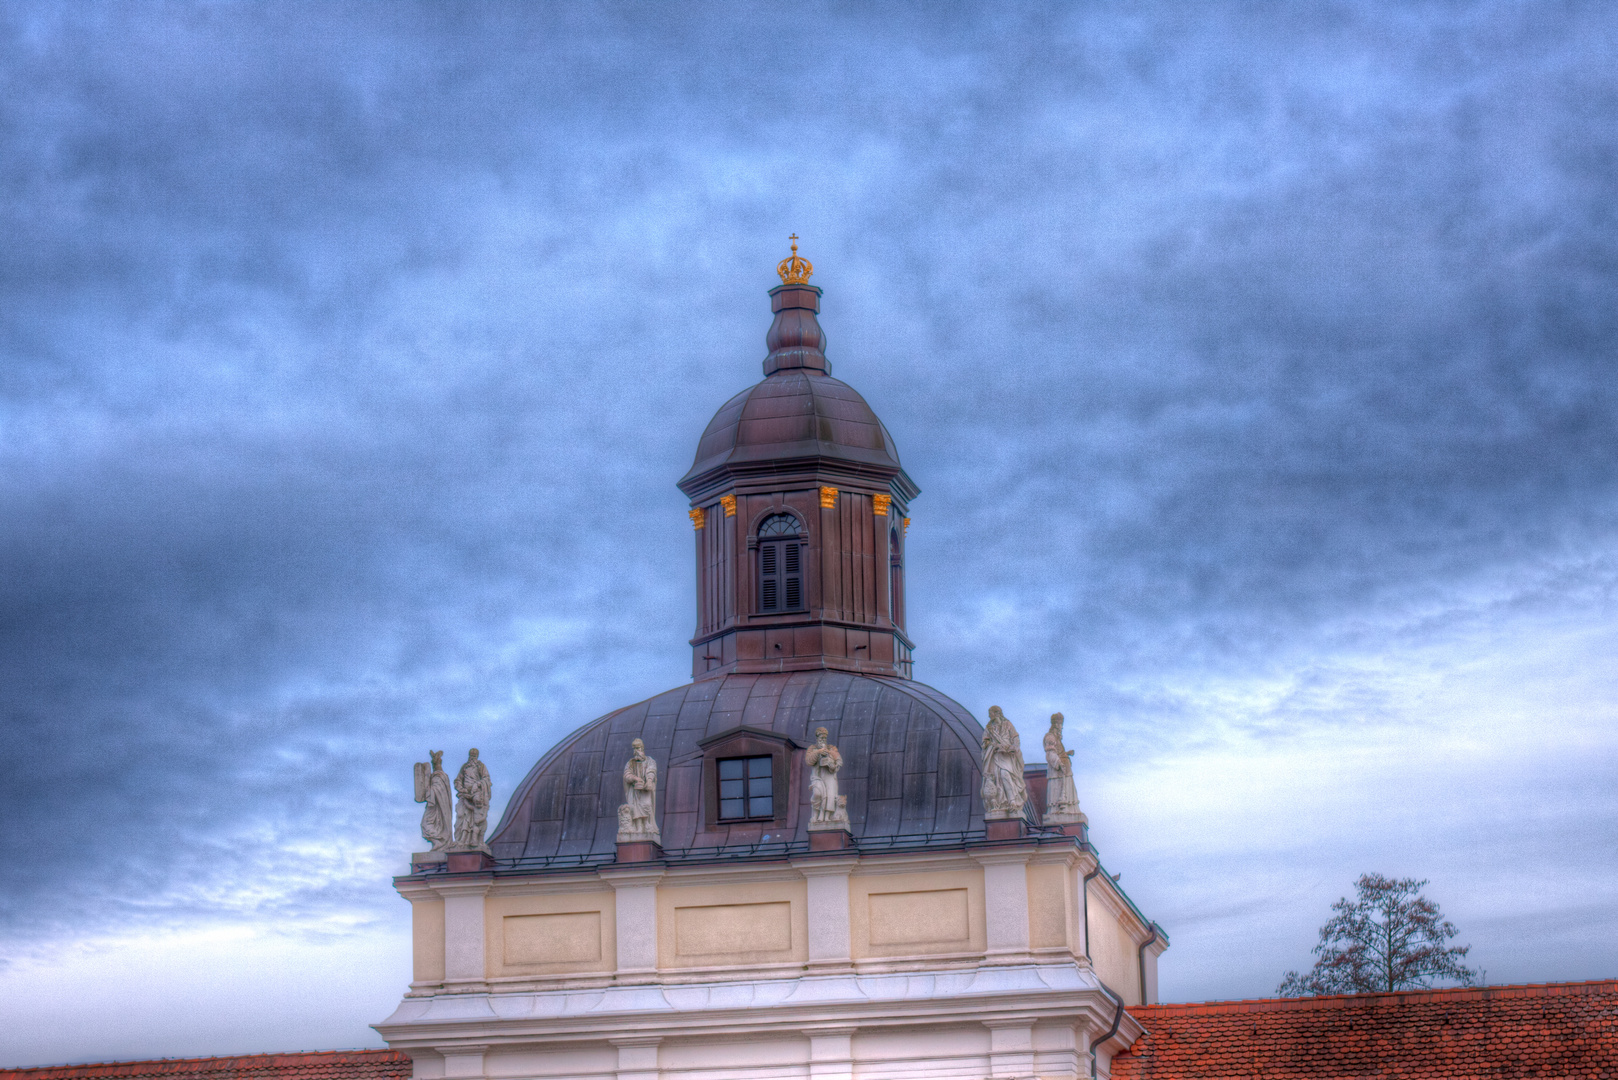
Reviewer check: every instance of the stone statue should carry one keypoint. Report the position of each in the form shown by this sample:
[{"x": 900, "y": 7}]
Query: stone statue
[
  {"x": 637, "y": 817},
  {"x": 827, "y": 809},
  {"x": 472, "y": 810},
  {"x": 432, "y": 788},
  {"x": 1004, "y": 791},
  {"x": 1061, "y": 796}
]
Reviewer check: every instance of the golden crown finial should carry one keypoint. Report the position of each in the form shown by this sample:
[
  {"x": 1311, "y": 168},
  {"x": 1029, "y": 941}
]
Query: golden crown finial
[{"x": 795, "y": 271}]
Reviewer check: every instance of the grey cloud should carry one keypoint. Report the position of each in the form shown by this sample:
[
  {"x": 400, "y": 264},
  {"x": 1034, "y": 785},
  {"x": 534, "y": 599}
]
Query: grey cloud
[{"x": 350, "y": 354}]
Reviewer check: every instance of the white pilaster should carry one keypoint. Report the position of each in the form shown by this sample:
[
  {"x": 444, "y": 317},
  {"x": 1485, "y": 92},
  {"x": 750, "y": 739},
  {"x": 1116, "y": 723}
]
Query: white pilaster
[
  {"x": 827, "y": 881},
  {"x": 463, "y": 1062},
  {"x": 1153, "y": 951},
  {"x": 1057, "y": 1052},
  {"x": 831, "y": 1053},
  {"x": 636, "y": 904},
  {"x": 1081, "y": 917},
  {"x": 1011, "y": 1047},
  {"x": 1005, "y": 903},
  {"x": 637, "y": 1057},
  {"x": 464, "y": 961}
]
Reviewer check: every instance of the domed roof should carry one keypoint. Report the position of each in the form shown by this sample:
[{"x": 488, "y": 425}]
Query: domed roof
[
  {"x": 795, "y": 414},
  {"x": 799, "y": 414},
  {"x": 912, "y": 762}
]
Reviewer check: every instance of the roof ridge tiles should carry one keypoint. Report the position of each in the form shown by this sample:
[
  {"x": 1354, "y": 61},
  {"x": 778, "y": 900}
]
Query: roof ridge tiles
[
  {"x": 1454, "y": 1033},
  {"x": 1447, "y": 993},
  {"x": 149, "y": 1066}
]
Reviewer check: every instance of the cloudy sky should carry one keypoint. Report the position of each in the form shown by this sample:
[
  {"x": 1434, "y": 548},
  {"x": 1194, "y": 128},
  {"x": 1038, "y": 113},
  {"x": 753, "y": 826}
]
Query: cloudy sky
[{"x": 1257, "y": 364}]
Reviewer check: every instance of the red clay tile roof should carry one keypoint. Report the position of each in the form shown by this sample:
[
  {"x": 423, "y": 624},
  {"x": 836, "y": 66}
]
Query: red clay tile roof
[
  {"x": 321, "y": 1065},
  {"x": 1549, "y": 1030}
]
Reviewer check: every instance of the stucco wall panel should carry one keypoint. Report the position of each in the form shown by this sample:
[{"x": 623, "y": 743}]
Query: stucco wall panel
[
  {"x": 563, "y": 937},
  {"x": 724, "y": 929},
  {"x": 708, "y": 1056},
  {"x": 600, "y": 1060},
  {"x": 563, "y": 933},
  {"x": 916, "y": 914},
  {"x": 931, "y": 917},
  {"x": 1050, "y": 903},
  {"x": 732, "y": 924},
  {"x": 957, "y": 1050},
  {"x": 1112, "y": 949},
  {"x": 427, "y": 940}
]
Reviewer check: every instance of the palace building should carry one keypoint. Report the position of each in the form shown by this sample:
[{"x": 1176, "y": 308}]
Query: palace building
[
  {"x": 815, "y": 886},
  {"x": 803, "y": 864}
]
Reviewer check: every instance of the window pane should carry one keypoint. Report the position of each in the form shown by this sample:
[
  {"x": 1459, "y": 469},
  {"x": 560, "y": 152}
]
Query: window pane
[
  {"x": 731, "y": 768},
  {"x": 758, "y": 766},
  {"x": 730, "y": 789},
  {"x": 759, "y": 786},
  {"x": 731, "y": 808},
  {"x": 759, "y": 807}
]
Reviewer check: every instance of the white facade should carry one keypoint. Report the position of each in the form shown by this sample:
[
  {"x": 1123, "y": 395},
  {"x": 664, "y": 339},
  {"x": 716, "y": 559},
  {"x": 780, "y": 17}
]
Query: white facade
[{"x": 973, "y": 962}]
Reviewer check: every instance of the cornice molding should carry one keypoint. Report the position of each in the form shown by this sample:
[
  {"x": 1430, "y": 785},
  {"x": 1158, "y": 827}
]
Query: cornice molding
[
  {"x": 1030, "y": 993},
  {"x": 470, "y": 885}
]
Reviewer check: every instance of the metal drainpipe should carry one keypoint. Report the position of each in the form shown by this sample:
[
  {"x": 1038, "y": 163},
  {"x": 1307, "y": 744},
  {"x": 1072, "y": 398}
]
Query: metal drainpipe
[
  {"x": 1117, "y": 1018},
  {"x": 1140, "y": 958}
]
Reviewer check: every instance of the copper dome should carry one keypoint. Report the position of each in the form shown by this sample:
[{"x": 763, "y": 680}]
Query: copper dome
[
  {"x": 914, "y": 765},
  {"x": 799, "y": 414},
  {"x": 795, "y": 415}
]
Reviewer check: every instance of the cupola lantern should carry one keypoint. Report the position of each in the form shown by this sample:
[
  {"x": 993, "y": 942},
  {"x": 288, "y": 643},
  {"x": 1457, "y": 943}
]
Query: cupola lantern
[{"x": 800, "y": 558}]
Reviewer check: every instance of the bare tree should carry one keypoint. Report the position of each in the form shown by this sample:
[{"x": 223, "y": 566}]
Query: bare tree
[{"x": 1389, "y": 937}]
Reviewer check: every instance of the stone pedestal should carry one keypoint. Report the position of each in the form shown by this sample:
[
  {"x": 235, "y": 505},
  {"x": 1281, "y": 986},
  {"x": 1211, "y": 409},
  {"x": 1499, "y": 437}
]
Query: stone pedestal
[
  {"x": 639, "y": 851},
  {"x": 830, "y": 840},
  {"x": 421, "y": 860},
  {"x": 1005, "y": 828},
  {"x": 469, "y": 862}
]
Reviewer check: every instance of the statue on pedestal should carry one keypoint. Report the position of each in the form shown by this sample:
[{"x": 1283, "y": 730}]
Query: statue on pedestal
[
  {"x": 1004, "y": 791},
  {"x": 472, "y": 810},
  {"x": 432, "y": 788},
  {"x": 1061, "y": 796},
  {"x": 637, "y": 817},
  {"x": 827, "y": 809}
]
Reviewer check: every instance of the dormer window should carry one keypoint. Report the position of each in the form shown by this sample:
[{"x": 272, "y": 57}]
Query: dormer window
[
  {"x": 746, "y": 788},
  {"x": 747, "y": 782},
  {"x": 780, "y": 564}
]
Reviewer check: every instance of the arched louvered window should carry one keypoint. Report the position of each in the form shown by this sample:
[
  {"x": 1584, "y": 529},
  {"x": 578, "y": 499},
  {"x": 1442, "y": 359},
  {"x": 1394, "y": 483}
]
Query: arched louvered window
[{"x": 780, "y": 564}]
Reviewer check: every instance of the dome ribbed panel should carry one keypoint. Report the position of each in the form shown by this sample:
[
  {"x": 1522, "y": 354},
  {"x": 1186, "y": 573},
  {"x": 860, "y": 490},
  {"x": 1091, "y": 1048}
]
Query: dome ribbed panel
[
  {"x": 795, "y": 414},
  {"x": 912, "y": 762}
]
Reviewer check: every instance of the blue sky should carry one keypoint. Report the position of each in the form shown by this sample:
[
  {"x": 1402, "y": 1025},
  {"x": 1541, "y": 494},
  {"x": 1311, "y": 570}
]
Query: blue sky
[{"x": 1256, "y": 363}]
